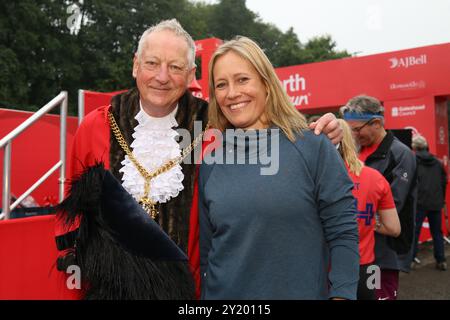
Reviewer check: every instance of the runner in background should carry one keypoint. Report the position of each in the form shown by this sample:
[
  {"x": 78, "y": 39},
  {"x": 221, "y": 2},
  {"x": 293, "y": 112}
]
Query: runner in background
[
  {"x": 375, "y": 209},
  {"x": 396, "y": 162}
]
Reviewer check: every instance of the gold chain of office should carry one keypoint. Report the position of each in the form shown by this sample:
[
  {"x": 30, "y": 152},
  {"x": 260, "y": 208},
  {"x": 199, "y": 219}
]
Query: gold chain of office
[{"x": 145, "y": 201}]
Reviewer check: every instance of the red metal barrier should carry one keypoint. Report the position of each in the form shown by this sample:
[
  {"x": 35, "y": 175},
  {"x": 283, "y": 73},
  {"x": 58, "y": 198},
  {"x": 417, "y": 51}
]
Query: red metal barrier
[
  {"x": 34, "y": 152},
  {"x": 27, "y": 261}
]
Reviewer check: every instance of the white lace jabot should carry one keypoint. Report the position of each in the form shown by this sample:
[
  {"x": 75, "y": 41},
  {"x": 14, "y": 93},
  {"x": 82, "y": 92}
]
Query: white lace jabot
[{"x": 154, "y": 144}]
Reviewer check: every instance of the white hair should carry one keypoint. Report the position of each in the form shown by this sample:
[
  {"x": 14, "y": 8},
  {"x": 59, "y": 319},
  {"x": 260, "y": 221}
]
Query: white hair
[
  {"x": 363, "y": 104},
  {"x": 419, "y": 143},
  {"x": 174, "y": 26}
]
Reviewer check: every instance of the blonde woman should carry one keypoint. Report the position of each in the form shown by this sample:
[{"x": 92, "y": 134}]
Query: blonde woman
[
  {"x": 375, "y": 208},
  {"x": 285, "y": 233}
]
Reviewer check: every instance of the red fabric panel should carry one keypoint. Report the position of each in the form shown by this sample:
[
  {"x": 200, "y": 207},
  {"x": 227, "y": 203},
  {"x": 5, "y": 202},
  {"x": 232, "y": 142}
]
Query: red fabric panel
[
  {"x": 90, "y": 145},
  {"x": 193, "y": 241},
  {"x": 210, "y": 141},
  {"x": 34, "y": 152},
  {"x": 93, "y": 100},
  {"x": 396, "y": 75},
  {"x": 28, "y": 261}
]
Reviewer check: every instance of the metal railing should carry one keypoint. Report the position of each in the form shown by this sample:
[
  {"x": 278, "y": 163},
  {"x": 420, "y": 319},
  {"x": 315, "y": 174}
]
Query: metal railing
[
  {"x": 6, "y": 144},
  {"x": 80, "y": 106}
]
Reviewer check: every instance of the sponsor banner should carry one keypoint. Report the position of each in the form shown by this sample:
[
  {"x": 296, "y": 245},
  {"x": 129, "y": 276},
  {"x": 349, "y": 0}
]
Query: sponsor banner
[
  {"x": 389, "y": 76},
  {"x": 325, "y": 85},
  {"x": 415, "y": 114},
  {"x": 408, "y": 61},
  {"x": 419, "y": 116},
  {"x": 406, "y": 111},
  {"x": 296, "y": 87},
  {"x": 426, "y": 117},
  {"x": 412, "y": 85}
]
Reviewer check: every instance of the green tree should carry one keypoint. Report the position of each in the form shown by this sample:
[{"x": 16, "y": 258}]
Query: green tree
[
  {"x": 195, "y": 20},
  {"x": 229, "y": 18},
  {"x": 40, "y": 55},
  {"x": 321, "y": 49},
  {"x": 34, "y": 50},
  {"x": 288, "y": 50}
]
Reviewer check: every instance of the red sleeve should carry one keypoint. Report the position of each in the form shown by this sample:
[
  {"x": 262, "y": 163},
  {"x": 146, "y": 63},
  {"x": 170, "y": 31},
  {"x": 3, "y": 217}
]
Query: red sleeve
[
  {"x": 194, "y": 231},
  {"x": 193, "y": 241},
  {"x": 90, "y": 145}
]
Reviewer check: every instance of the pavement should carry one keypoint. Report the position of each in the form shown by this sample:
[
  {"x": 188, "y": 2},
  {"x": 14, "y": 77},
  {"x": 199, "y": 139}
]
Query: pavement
[{"x": 425, "y": 282}]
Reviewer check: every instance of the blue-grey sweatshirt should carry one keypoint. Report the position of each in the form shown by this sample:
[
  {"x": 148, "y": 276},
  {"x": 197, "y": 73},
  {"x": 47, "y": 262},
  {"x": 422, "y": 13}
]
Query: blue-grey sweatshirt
[{"x": 289, "y": 233}]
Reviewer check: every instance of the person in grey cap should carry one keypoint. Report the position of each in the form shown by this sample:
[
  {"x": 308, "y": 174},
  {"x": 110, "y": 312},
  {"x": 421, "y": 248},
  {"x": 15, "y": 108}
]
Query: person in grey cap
[
  {"x": 380, "y": 150},
  {"x": 432, "y": 181}
]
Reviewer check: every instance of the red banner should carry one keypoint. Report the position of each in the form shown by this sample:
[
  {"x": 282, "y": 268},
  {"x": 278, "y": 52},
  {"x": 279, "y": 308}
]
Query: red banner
[
  {"x": 416, "y": 114},
  {"x": 426, "y": 116},
  {"x": 395, "y": 75},
  {"x": 93, "y": 100},
  {"x": 204, "y": 49},
  {"x": 34, "y": 152},
  {"x": 28, "y": 261}
]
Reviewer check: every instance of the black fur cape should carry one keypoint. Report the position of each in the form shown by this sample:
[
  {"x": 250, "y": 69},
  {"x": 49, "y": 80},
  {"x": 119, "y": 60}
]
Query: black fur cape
[{"x": 122, "y": 253}]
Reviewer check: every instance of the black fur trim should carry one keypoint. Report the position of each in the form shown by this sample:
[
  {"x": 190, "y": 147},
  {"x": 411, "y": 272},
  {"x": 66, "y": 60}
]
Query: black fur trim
[
  {"x": 64, "y": 262},
  {"x": 109, "y": 269},
  {"x": 67, "y": 240}
]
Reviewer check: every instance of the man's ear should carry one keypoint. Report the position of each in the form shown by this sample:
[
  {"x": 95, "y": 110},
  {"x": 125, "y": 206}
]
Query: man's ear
[
  {"x": 379, "y": 123},
  {"x": 191, "y": 75},
  {"x": 135, "y": 65}
]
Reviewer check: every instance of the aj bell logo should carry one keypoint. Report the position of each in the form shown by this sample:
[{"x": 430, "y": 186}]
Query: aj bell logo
[{"x": 407, "y": 62}]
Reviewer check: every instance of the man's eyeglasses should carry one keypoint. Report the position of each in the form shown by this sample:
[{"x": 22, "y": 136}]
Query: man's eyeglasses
[{"x": 358, "y": 129}]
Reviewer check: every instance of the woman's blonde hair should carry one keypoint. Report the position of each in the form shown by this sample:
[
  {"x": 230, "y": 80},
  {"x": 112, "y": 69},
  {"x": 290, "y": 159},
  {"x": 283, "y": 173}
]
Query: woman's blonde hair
[
  {"x": 347, "y": 149},
  {"x": 279, "y": 109}
]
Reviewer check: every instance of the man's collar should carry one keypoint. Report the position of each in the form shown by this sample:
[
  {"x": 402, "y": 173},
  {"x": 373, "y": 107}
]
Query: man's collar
[
  {"x": 171, "y": 114},
  {"x": 384, "y": 146}
]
